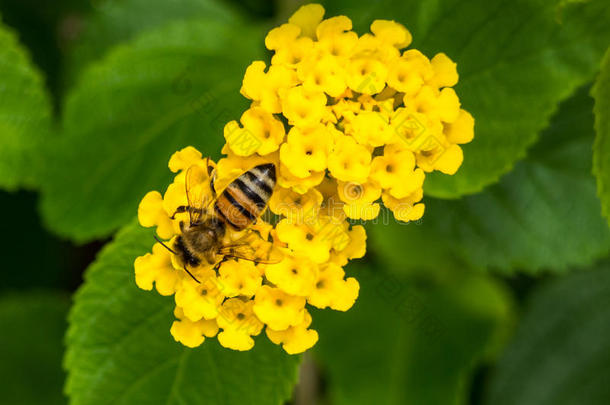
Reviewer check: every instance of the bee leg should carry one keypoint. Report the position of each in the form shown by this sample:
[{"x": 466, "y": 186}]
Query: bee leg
[
  {"x": 179, "y": 210},
  {"x": 190, "y": 274},
  {"x": 217, "y": 266},
  {"x": 164, "y": 245}
]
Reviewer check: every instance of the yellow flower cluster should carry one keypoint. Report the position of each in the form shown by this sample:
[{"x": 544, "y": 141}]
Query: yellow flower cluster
[{"x": 348, "y": 121}]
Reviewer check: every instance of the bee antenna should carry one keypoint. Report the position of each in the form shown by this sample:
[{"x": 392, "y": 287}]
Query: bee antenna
[
  {"x": 163, "y": 244},
  {"x": 189, "y": 273}
]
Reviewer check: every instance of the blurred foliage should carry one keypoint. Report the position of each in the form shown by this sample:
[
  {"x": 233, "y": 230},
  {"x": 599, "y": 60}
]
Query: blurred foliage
[
  {"x": 561, "y": 352},
  {"x": 544, "y": 215},
  {"x": 31, "y": 347},
  {"x": 31, "y": 256},
  {"x": 409, "y": 341},
  {"x": 46, "y": 28},
  {"x": 115, "y": 21},
  {"x": 601, "y": 151},
  {"x": 120, "y": 349},
  {"x": 25, "y": 114},
  {"x": 516, "y": 61},
  {"x": 134, "y": 80}
]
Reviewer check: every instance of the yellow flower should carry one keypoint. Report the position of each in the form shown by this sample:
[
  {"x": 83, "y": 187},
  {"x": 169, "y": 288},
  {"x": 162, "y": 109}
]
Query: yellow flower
[
  {"x": 238, "y": 323},
  {"x": 443, "y": 105},
  {"x": 200, "y": 300},
  {"x": 332, "y": 290},
  {"x": 278, "y": 309},
  {"x": 445, "y": 71},
  {"x": 294, "y": 206},
  {"x": 440, "y": 155},
  {"x": 313, "y": 239},
  {"x": 303, "y": 106},
  {"x": 325, "y": 74},
  {"x": 295, "y": 339},
  {"x": 183, "y": 159},
  {"x": 151, "y": 213},
  {"x": 370, "y": 128},
  {"x": 359, "y": 199},
  {"x": 296, "y": 275},
  {"x": 349, "y": 161},
  {"x": 307, "y": 18},
  {"x": 189, "y": 333},
  {"x": 405, "y": 209},
  {"x": 262, "y": 133},
  {"x": 367, "y": 75},
  {"x": 239, "y": 278},
  {"x": 305, "y": 151},
  {"x": 349, "y": 122},
  {"x": 462, "y": 129},
  {"x": 264, "y": 87},
  {"x": 157, "y": 268},
  {"x": 391, "y": 33},
  {"x": 395, "y": 170},
  {"x": 301, "y": 185}
]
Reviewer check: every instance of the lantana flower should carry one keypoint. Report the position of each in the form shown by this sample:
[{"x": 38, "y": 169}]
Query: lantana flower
[{"x": 351, "y": 123}]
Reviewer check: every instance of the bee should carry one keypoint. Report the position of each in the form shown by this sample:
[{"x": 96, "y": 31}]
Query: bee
[{"x": 238, "y": 206}]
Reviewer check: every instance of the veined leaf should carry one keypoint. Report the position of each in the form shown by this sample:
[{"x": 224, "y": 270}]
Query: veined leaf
[
  {"x": 517, "y": 60},
  {"x": 560, "y": 354},
  {"x": 542, "y": 216},
  {"x": 114, "y": 21},
  {"x": 120, "y": 350},
  {"x": 31, "y": 347},
  {"x": 411, "y": 343},
  {"x": 601, "y": 149},
  {"x": 25, "y": 114},
  {"x": 170, "y": 88}
]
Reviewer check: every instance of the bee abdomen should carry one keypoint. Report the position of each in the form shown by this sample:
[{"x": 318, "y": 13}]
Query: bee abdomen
[{"x": 246, "y": 197}]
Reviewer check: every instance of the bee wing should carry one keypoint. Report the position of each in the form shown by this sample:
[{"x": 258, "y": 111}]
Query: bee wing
[
  {"x": 254, "y": 248},
  {"x": 196, "y": 184}
]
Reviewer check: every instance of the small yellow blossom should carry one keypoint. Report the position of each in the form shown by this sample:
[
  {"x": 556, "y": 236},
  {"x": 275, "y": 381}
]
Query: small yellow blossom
[
  {"x": 314, "y": 238},
  {"x": 349, "y": 160},
  {"x": 189, "y": 333},
  {"x": 351, "y": 123},
  {"x": 333, "y": 290},
  {"x": 200, "y": 300},
  {"x": 295, "y": 275},
  {"x": 359, "y": 199},
  {"x": 294, "y": 206},
  {"x": 278, "y": 309},
  {"x": 295, "y": 339},
  {"x": 238, "y": 324},
  {"x": 261, "y": 133},
  {"x": 151, "y": 213},
  {"x": 305, "y": 151},
  {"x": 239, "y": 278},
  {"x": 156, "y": 267}
]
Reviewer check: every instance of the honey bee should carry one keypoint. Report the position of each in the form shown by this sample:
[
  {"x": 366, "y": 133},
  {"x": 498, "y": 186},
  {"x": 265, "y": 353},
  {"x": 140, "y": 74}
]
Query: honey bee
[{"x": 238, "y": 206}]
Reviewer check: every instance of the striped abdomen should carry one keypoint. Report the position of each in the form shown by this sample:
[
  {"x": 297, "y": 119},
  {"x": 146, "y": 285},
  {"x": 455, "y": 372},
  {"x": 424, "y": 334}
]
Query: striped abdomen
[{"x": 246, "y": 197}]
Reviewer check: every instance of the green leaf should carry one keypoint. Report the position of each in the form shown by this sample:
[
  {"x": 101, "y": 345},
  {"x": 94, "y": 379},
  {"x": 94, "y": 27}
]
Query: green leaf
[
  {"x": 516, "y": 61},
  {"x": 120, "y": 350},
  {"x": 116, "y": 21},
  {"x": 408, "y": 342},
  {"x": 168, "y": 89},
  {"x": 25, "y": 114},
  {"x": 31, "y": 347},
  {"x": 542, "y": 216},
  {"x": 601, "y": 149},
  {"x": 560, "y": 354}
]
